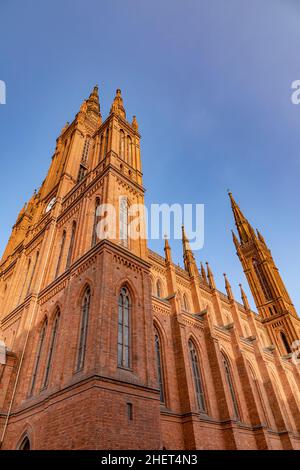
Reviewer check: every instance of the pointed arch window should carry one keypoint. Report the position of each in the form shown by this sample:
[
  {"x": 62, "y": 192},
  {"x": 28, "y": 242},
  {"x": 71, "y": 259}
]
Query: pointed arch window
[
  {"x": 51, "y": 348},
  {"x": 95, "y": 223},
  {"x": 124, "y": 319},
  {"x": 38, "y": 356},
  {"x": 262, "y": 279},
  {"x": 230, "y": 384},
  {"x": 33, "y": 271},
  {"x": 25, "y": 444},
  {"x": 61, "y": 251},
  {"x": 85, "y": 311},
  {"x": 71, "y": 246},
  {"x": 159, "y": 366},
  {"x": 198, "y": 382},
  {"x": 285, "y": 342},
  {"x": 124, "y": 221},
  {"x": 122, "y": 144}
]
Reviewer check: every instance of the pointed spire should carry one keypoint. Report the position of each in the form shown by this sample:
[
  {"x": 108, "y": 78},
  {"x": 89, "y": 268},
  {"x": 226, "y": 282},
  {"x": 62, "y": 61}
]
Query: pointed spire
[
  {"x": 228, "y": 288},
  {"x": 245, "y": 230},
  {"x": 211, "y": 280},
  {"x": 92, "y": 103},
  {"x": 134, "y": 124},
  {"x": 167, "y": 249},
  {"x": 203, "y": 273},
  {"x": 117, "y": 107},
  {"x": 188, "y": 256},
  {"x": 244, "y": 298}
]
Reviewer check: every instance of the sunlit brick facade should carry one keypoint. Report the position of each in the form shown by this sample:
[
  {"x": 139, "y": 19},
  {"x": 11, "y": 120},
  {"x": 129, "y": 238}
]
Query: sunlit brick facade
[{"x": 111, "y": 346}]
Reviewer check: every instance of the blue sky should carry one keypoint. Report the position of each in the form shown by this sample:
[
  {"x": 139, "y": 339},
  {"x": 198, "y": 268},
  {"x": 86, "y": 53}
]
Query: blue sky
[{"x": 210, "y": 83}]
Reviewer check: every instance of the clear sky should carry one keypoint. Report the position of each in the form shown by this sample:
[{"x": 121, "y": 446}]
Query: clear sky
[{"x": 210, "y": 83}]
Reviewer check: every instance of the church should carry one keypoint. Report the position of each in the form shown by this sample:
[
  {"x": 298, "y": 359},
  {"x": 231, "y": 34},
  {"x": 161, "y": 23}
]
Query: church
[{"x": 108, "y": 345}]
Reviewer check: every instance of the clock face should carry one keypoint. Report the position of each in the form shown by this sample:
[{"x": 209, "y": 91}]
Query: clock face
[{"x": 50, "y": 205}]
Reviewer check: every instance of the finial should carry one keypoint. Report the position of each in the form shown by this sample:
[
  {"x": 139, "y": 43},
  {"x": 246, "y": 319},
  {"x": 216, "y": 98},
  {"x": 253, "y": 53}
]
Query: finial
[
  {"x": 117, "y": 106},
  {"x": 134, "y": 124},
  {"x": 228, "y": 288},
  {"x": 244, "y": 298},
  {"x": 203, "y": 273},
  {"x": 210, "y": 276}
]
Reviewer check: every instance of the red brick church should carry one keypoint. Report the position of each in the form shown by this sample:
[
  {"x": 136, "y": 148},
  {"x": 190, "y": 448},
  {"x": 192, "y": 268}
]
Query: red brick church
[{"x": 107, "y": 345}]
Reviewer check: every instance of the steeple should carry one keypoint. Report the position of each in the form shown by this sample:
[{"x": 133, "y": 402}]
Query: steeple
[
  {"x": 245, "y": 230},
  {"x": 228, "y": 288},
  {"x": 117, "y": 107},
  {"x": 188, "y": 256},
  {"x": 271, "y": 298}
]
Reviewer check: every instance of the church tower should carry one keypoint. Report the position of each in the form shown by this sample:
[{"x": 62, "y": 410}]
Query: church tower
[{"x": 272, "y": 300}]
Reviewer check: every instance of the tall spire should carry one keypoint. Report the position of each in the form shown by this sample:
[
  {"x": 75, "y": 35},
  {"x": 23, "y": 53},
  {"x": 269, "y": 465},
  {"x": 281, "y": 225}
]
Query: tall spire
[
  {"x": 245, "y": 230},
  {"x": 211, "y": 280},
  {"x": 244, "y": 298},
  {"x": 117, "y": 107},
  {"x": 188, "y": 256},
  {"x": 228, "y": 288}
]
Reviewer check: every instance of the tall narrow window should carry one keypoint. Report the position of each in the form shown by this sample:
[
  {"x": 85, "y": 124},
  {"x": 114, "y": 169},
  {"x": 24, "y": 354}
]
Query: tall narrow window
[
  {"x": 122, "y": 144},
  {"x": 106, "y": 143},
  {"x": 82, "y": 172},
  {"x": 85, "y": 310},
  {"x": 129, "y": 150},
  {"x": 124, "y": 221},
  {"x": 231, "y": 387},
  {"x": 61, "y": 251},
  {"x": 262, "y": 280},
  {"x": 159, "y": 367},
  {"x": 71, "y": 247},
  {"x": 285, "y": 343},
  {"x": 51, "y": 348},
  {"x": 85, "y": 152},
  {"x": 124, "y": 307},
  {"x": 95, "y": 223},
  {"x": 38, "y": 356},
  {"x": 197, "y": 378},
  {"x": 33, "y": 271},
  {"x": 101, "y": 148}
]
